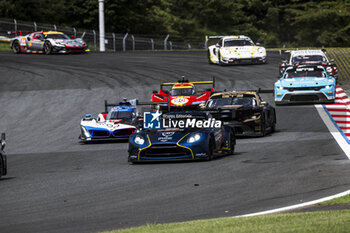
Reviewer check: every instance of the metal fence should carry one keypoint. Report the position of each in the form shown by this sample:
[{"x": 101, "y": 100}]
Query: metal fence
[{"x": 114, "y": 41}]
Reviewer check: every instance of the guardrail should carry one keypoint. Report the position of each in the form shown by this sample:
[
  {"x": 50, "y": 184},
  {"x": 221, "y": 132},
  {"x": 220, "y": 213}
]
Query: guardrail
[{"x": 113, "y": 41}]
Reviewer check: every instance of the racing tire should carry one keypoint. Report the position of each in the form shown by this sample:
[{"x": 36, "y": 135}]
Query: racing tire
[
  {"x": 232, "y": 143},
  {"x": 1, "y": 167},
  {"x": 220, "y": 62},
  {"x": 47, "y": 47},
  {"x": 273, "y": 126},
  {"x": 210, "y": 150},
  {"x": 209, "y": 60},
  {"x": 262, "y": 126},
  {"x": 16, "y": 48}
]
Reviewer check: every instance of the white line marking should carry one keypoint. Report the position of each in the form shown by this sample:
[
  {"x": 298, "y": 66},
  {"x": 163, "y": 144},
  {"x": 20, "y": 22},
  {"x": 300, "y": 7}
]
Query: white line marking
[
  {"x": 343, "y": 145},
  {"x": 296, "y": 206}
]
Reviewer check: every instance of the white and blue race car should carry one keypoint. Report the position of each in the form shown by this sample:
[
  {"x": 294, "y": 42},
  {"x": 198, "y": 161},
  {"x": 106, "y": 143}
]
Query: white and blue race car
[
  {"x": 235, "y": 50},
  {"x": 119, "y": 122},
  {"x": 305, "y": 84}
]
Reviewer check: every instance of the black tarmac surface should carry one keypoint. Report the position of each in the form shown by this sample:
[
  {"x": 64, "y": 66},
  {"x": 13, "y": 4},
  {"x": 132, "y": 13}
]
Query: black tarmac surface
[{"x": 54, "y": 184}]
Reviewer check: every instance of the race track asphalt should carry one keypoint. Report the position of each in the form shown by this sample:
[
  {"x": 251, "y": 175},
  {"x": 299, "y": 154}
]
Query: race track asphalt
[{"x": 55, "y": 184}]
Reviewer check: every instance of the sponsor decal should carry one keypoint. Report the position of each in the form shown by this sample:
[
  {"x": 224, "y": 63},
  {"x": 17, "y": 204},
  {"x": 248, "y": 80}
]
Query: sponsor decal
[
  {"x": 180, "y": 100},
  {"x": 152, "y": 120},
  {"x": 23, "y": 41}
]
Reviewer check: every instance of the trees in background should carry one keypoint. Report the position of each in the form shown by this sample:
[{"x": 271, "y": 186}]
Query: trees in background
[{"x": 271, "y": 22}]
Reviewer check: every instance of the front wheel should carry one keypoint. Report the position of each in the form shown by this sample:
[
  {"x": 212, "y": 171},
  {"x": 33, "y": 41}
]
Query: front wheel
[
  {"x": 48, "y": 48},
  {"x": 210, "y": 150},
  {"x": 16, "y": 48}
]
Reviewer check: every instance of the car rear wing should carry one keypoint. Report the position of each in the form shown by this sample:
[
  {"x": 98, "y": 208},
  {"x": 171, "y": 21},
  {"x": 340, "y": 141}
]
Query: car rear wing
[
  {"x": 20, "y": 32},
  {"x": 219, "y": 37},
  {"x": 186, "y": 81}
]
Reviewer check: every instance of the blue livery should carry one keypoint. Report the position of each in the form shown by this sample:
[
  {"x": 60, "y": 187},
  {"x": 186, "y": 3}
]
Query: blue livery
[
  {"x": 305, "y": 84},
  {"x": 179, "y": 141}
]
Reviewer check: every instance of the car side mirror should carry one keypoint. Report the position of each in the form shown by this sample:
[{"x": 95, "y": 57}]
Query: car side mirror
[
  {"x": 217, "y": 46},
  {"x": 155, "y": 92},
  {"x": 257, "y": 44},
  {"x": 28, "y": 38},
  {"x": 3, "y": 142}
]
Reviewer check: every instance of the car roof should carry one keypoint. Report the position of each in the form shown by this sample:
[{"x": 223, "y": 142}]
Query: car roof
[
  {"x": 307, "y": 52},
  {"x": 236, "y": 37},
  {"x": 122, "y": 108},
  {"x": 235, "y": 93}
]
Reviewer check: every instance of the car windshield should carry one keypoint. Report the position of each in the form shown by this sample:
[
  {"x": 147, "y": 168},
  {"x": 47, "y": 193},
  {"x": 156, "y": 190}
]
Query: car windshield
[
  {"x": 305, "y": 74},
  {"x": 120, "y": 115},
  {"x": 230, "y": 43},
  {"x": 309, "y": 59},
  {"x": 217, "y": 102},
  {"x": 182, "y": 91},
  {"x": 57, "y": 36}
]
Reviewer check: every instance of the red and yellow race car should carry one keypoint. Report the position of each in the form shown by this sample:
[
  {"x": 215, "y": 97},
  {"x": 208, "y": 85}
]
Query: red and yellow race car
[{"x": 183, "y": 93}]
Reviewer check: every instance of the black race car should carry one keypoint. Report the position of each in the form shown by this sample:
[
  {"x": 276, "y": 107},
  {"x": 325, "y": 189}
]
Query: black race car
[
  {"x": 3, "y": 162},
  {"x": 245, "y": 111}
]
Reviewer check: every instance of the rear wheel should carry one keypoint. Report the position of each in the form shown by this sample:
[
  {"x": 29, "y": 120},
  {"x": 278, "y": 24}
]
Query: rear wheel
[
  {"x": 1, "y": 167},
  {"x": 209, "y": 60},
  {"x": 232, "y": 143},
  {"x": 16, "y": 48},
  {"x": 262, "y": 125},
  {"x": 47, "y": 47}
]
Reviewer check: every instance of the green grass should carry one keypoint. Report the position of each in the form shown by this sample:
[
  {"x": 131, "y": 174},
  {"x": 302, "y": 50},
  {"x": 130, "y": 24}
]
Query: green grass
[
  {"x": 322, "y": 221},
  {"x": 337, "y": 201},
  {"x": 5, "y": 47}
]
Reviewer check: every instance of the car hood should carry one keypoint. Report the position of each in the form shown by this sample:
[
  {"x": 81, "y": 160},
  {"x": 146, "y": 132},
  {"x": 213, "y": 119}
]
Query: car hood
[
  {"x": 166, "y": 137},
  {"x": 69, "y": 41},
  {"x": 305, "y": 82}
]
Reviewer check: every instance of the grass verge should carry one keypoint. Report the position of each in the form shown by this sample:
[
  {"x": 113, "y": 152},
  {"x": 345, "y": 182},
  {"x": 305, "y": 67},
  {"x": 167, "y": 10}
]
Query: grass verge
[
  {"x": 337, "y": 201},
  {"x": 317, "y": 221},
  {"x": 4, "y": 47},
  {"x": 322, "y": 221}
]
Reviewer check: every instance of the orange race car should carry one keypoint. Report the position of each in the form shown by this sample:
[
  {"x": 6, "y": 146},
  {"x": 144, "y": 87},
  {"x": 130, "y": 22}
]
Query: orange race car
[{"x": 183, "y": 93}]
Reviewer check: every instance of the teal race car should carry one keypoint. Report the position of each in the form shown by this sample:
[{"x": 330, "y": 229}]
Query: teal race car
[{"x": 305, "y": 84}]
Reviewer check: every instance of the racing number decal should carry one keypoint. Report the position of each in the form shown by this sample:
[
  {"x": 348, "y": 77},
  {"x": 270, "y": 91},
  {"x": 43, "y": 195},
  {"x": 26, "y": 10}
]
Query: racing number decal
[
  {"x": 180, "y": 100},
  {"x": 23, "y": 41}
]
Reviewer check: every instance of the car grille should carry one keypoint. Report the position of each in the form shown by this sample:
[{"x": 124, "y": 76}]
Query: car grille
[
  {"x": 165, "y": 151},
  {"x": 99, "y": 133},
  {"x": 122, "y": 132},
  {"x": 304, "y": 88},
  {"x": 304, "y": 98}
]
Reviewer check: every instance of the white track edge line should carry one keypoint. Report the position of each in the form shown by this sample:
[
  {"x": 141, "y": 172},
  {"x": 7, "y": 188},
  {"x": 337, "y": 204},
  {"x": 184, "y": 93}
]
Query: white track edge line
[
  {"x": 344, "y": 146},
  {"x": 333, "y": 130},
  {"x": 296, "y": 206}
]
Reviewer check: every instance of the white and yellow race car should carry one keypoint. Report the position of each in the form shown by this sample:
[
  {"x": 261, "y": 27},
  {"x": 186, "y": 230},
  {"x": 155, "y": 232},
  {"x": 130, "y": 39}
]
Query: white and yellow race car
[{"x": 235, "y": 50}]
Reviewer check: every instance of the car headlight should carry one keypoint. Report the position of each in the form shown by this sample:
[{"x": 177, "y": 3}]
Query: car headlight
[
  {"x": 194, "y": 138},
  {"x": 281, "y": 88},
  {"x": 139, "y": 140},
  {"x": 261, "y": 50},
  {"x": 327, "y": 87}
]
